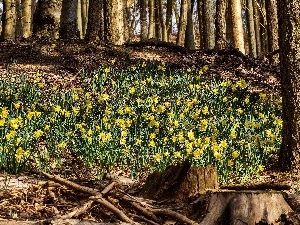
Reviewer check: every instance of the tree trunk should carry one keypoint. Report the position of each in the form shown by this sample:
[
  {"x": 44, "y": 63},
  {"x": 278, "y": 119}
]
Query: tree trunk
[
  {"x": 143, "y": 19},
  {"x": 169, "y": 14},
  {"x": 128, "y": 31},
  {"x": 209, "y": 24},
  {"x": 200, "y": 22},
  {"x": 251, "y": 28},
  {"x": 94, "y": 20},
  {"x": 237, "y": 25},
  {"x": 18, "y": 19},
  {"x": 189, "y": 41},
  {"x": 9, "y": 20},
  {"x": 272, "y": 26},
  {"x": 26, "y": 18},
  {"x": 289, "y": 45},
  {"x": 176, "y": 13},
  {"x": 229, "y": 35},
  {"x": 79, "y": 19},
  {"x": 68, "y": 20},
  {"x": 162, "y": 24},
  {"x": 151, "y": 30},
  {"x": 182, "y": 22},
  {"x": 256, "y": 16},
  {"x": 46, "y": 19},
  {"x": 84, "y": 16},
  {"x": 116, "y": 23},
  {"x": 263, "y": 27},
  {"x": 220, "y": 24},
  {"x": 245, "y": 207}
]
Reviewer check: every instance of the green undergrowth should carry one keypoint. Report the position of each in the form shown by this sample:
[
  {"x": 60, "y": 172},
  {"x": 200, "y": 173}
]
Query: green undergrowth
[{"x": 145, "y": 117}]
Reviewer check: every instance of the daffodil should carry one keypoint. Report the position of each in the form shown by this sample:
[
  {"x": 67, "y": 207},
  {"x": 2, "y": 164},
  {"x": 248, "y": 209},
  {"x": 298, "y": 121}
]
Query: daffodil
[
  {"x": 152, "y": 144},
  {"x": 38, "y": 133},
  {"x": 17, "y": 105},
  {"x": 157, "y": 157},
  {"x": 177, "y": 154},
  {"x": 4, "y": 113},
  {"x": 235, "y": 154},
  {"x": 230, "y": 163}
]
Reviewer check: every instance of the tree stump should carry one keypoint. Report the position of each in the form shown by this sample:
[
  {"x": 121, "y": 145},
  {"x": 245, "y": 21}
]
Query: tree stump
[
  {"x": 245, "y": 207},
  {"x": 180, "y": 182}
]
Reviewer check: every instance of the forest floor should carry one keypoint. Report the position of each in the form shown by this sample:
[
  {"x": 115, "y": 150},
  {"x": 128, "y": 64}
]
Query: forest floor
[{"x": 29, "y": 196}]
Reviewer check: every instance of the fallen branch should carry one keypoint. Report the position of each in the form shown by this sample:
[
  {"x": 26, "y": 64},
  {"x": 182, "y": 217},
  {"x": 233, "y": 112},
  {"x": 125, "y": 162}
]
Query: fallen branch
[
  {"x": 79, "y": 211},
  {"x": 177, "y": 216},
  {"x": 93, "y": 192},
  {"x": 146, "y": 212},
  {"x": 108, "y": 188}
]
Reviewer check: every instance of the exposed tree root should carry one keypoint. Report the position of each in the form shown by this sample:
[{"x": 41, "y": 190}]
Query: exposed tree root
[{"x": 148, "y": 214}]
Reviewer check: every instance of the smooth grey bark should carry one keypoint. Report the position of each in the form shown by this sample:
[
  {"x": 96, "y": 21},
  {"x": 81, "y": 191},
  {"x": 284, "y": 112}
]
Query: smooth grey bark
[
  {"x": 189, "y": 41},
  {"x": 68, "y": 20}
]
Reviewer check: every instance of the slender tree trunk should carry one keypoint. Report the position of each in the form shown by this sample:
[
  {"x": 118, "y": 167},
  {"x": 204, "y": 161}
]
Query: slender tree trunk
[
  {"x": 256, "y": 16},
  {"x": 127, "y": 31},
  {"x": 209, "y": 24},
  {"x": 18, "y": 19},
  {"x": 271, "y": 9},
  {"x": 200, "y": 15},
  {"x": 151, "y": 30},
  {"x": 158, "y": 27},
  {"x": 84, "y": 15},
  {"x": 46, "y": 19},
  {"x": 189, "y": 41},
  {"x": 68, "y": 20},
  {"x": 26, "y": 18},
  {"x": 229, "y": 35},
  {"x": 94, "y": 20},
  {"x": 251, "y": 28},
  {"x": 237, "y": 25},
  {"x": 143, "y": 19},
  {"x": 169, "y": 14},
  {"x": 79, "y": 19},
  {"x": 220, "y": 23},
  {"x": 162, "y": 23},
  {"x": 263, "y": 27},
  {"x": 182, "y": 22},
  {"x": 9, "y": 20},
  {"x": 289, "y": 45}
]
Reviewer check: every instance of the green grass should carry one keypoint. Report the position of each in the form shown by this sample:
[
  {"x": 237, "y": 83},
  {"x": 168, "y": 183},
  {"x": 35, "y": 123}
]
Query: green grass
[{"x": 145, "y": 117}]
